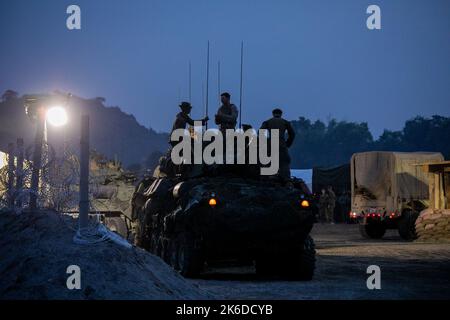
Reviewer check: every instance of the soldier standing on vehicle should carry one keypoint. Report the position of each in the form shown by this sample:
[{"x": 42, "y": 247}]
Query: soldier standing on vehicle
[
  {"x": 323, "y": 205},
  {"x": 183, "y": 119},
  {"x": 331, "y": 204},
  {"x": 284, "y": 127},
  {"x": 227, "y": 114}
]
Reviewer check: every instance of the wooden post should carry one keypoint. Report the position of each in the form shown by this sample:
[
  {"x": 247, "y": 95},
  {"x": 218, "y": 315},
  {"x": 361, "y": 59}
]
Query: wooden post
[
  {"x": 431, "y": 189},
  {"x": 437, "y": 204},
  {"x": 84, "y": 173},
  {"x": 441, "y": 190}
]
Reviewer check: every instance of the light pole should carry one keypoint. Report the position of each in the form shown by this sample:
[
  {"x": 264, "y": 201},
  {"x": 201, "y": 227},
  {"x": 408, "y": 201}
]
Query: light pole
[
  {"x": 37, "y": 156},
  {"x": 84, "y": 173},
  {"x": 41, "y": 108}
]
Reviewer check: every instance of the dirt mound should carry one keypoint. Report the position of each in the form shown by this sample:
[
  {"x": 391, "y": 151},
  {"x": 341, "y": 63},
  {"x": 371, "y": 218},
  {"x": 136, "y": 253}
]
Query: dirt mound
[{"x": 37, "y": 248}]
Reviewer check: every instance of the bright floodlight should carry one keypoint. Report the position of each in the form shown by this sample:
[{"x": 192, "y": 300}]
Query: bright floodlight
[{"x": 57, "y": 116}]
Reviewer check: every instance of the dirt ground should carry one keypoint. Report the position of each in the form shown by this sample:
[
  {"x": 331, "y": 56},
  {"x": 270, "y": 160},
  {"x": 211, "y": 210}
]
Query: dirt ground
[
  {"x": 36, "y": 249},
  {"x": 409, "y": 270}
]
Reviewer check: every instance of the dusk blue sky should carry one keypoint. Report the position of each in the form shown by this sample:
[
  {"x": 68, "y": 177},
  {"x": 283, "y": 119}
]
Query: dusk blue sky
[{"x": 315, "y": 59}]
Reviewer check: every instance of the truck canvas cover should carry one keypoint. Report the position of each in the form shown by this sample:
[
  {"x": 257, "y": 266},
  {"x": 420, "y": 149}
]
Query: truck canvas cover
[{"x": 377, "y": 175}]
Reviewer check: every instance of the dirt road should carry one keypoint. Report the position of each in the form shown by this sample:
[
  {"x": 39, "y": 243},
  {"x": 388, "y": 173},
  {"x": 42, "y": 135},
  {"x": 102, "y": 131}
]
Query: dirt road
[{"x": 409, "y": 270}]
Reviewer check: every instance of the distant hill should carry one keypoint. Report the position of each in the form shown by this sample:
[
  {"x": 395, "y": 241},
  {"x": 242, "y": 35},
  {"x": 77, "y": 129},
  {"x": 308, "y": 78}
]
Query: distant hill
[
  {"x": 114, "y": 133},
  {"x": 317, "y": 144}
]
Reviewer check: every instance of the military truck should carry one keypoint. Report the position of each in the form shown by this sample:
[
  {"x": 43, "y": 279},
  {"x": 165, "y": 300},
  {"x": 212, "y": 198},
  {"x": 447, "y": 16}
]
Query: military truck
[
  {"x": 224, "y": 213},
  {"x": 389, "y": 190}
]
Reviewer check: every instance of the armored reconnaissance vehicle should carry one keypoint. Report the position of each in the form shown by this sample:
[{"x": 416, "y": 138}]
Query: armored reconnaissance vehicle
[{"x": 217, "y": 213}]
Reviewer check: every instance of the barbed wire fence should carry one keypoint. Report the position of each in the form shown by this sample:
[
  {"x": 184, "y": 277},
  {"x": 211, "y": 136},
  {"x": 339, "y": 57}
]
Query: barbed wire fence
[
  {"x": 58, "y": 184},
  {"x": 12, "y": 197},
  {"x": 58, "y": 190}
]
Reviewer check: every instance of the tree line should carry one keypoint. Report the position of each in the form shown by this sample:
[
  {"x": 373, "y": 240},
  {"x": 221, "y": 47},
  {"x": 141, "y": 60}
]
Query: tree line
[{"x": 318, "y": 144}]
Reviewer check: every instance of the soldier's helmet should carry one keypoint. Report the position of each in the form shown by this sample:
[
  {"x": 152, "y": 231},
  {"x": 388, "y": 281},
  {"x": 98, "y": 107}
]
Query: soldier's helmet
[{"x": 185, "y": 106}]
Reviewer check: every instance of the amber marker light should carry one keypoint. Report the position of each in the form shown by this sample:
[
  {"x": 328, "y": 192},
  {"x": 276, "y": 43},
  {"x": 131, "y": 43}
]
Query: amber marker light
[
  {"x": 212, "y": 202},
  {"x": 305, "y": 204}
]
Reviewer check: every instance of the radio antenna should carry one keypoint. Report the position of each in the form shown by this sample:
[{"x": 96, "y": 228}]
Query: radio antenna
[
  {"x": 240, "y": 93},
  {"x": 218, "y": 80},
  {"x": 203, "y": 95},
  {"x": 207, "y": 83},
  {"x": 190, "y": 82}
]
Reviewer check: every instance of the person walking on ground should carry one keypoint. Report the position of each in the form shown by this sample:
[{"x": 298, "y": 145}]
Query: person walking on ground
[
  {"x": 323, "y": 202},
  {"x": 331, "y": 204}
]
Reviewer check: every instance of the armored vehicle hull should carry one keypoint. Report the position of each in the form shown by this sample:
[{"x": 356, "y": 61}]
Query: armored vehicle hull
[{"x": 192, "y": 222}]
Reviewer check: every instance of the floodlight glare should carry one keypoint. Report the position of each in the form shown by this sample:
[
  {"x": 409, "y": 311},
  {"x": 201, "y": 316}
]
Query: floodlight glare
[{"x": 57, "y": 116}]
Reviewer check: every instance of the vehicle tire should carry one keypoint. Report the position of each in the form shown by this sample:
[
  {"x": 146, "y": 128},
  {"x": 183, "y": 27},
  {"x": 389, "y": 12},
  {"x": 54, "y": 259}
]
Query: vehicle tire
[
  {"x": 302, "y": 266},
  {"x": 159, "y": 247},
  {"x": 307, "y": 259},
  {"x": 190, "y": 259},
  {"x": 172, "y": 254},
  {"x": 117, "y": 225},
  {"x": 407, "y": 225},
  {"x": 153, "y": 244},
  {"x": 142, "y": 232},
  {"x": 265, "y": 265},
  {"x": 372, "y": 230},
  {"x": 164, "y": 250}
]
